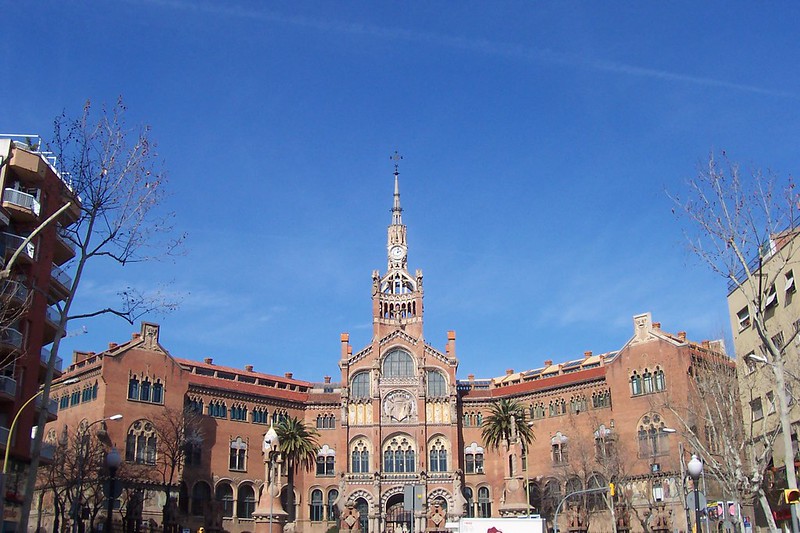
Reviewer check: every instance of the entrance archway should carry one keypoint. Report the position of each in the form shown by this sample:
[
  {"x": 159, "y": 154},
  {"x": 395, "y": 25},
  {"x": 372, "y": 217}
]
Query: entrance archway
[
  {"x": 363, "y": 514},
  {"x": 397, "y": 519}
]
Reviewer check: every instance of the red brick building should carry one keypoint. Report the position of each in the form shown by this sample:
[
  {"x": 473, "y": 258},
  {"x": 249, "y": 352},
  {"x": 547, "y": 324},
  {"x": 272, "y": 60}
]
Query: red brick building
[
  {"x": 398, "y": 416},
  {"x": 32, "y": 191}
]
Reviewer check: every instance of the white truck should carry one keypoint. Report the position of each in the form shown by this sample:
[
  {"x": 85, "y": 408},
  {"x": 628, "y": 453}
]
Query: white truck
[{"x": 532, "y": 524}]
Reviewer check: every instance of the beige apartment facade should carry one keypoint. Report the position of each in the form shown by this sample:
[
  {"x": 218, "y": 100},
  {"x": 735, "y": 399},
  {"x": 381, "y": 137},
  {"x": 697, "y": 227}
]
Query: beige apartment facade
[{"x": 771, "y": 294}]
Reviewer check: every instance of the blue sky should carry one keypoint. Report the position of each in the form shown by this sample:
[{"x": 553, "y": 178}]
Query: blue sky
[{"x": 539, "y": 140}]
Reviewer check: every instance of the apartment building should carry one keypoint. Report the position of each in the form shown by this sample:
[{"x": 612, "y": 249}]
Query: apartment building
[
  {"x": 771, "y": 294},
  {"x": 35, "y": 283}
]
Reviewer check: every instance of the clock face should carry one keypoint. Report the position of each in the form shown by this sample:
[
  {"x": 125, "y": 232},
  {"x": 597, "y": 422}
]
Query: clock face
[{"x": 397, "y": 252}]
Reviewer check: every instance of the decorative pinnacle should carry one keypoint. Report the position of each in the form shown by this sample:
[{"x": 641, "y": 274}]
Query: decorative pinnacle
[
  {"x": 396, "y": 157},
  {"x": 396, "y": 209}
]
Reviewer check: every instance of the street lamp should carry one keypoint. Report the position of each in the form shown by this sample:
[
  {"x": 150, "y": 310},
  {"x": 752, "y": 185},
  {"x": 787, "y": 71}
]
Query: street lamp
[
  {"x": 527, "y": 477},
  {"x": 11, "y": 435},
  {"x": 271, "y": 452},
  {"x": 695, "y": 468},
  {"x": 113, "y": 460},
  {"x": 83, "y": 450}
]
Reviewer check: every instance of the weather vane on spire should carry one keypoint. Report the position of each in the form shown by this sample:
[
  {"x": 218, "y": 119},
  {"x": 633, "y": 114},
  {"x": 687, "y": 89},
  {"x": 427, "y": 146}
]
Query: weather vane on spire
[{"x": 396, "y": 157}]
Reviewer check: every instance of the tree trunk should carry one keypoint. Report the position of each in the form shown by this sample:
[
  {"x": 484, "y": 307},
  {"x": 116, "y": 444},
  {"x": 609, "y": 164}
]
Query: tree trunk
[
  {"x": 290, "y": 492},
  {"x": 767, "y": 510}
]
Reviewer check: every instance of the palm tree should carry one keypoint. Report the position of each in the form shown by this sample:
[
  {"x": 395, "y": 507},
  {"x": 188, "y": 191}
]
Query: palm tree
[
  {"x": 506, "y": 419},
  {"x": 299, "y": 447}
]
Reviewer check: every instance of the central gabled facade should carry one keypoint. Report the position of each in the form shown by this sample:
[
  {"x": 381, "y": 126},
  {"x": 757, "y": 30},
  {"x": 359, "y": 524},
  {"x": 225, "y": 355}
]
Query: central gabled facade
[{"x": 400, "y": 399}]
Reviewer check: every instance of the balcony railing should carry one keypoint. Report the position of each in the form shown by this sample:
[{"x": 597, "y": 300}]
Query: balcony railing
[
  {"x": 45, "y": 356},
  {"x": 13, "y": 242},
  {"x": 52, "y": 405},
  {"x": 23, "y": 200},
  {"x": 13, "y": 289},
  {"x": 60, "y": 235},
  {"x": 48, "y": 157},
  {"x": 8, "y": 385},
  {"x": 53, "y": 315},
  {"x": 62, "y": 277},
  {"x": 11, "y": 337}
]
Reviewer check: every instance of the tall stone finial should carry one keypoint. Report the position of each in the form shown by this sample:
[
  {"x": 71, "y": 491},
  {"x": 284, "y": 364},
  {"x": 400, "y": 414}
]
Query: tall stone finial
[{"x": 397, "y": 211}]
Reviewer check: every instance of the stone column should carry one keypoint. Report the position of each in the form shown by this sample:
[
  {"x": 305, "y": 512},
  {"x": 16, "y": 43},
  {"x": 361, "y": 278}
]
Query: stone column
[{"x": 269, "y": 515}]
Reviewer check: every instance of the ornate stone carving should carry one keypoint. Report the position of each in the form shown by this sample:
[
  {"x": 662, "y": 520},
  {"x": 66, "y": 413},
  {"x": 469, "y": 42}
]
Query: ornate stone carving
[{"x": 399, "y": 406}]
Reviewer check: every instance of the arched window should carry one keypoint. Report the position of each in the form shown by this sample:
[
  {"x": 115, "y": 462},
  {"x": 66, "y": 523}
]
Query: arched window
[
  {"x": 437, "y": 387},
  {"x": 332, "y": 510},
  {"x": 558, "y": 446},
  {"x": 399, "y": 455},
  {"x": 246, "y": 502},
  {"x": 653, "y": 440},
  {"x": 551, "y": 497},
  {"x": 158, "y": 392},
  {"x": 316, "y": 513},
  {"x": 239, "y": 412},
  {"x": 363, "y": 510},
  {"x": 94, "y": 391},
  {"x": 140, "y": 443},
  {"x": 260, "y": 415},
  {"x": 217, "y": 409},
  {"x": 326, "y": 421},
  {"x": 133, "y": 388},
  {"x": 595, "y": 500},
  {"x": 470, "y": 497},
  {"x": 201, "y": 493},
  {"x": 360, "y": 386},
  {"x": 573, "y": 484},
  {"x": 636, "y": 384},
  {"x": 238, "y": 455},
  {"x": 195, "y": 404},
  {"x": 144, "y": 391},
  {"x": 659, "y": 380},
  {"x": 224, "y": 495},
  {"x": 326, "y": 459},
  {"x": 647, "y": 381},
  {"x": 438, "y": 455},
  {"x": 473, "y": 459},
  {"x": 603, "y": 443},
  {"x": 398, "y": 364},
  {"x": 484, "y": 503},
  {"x": 359, "y": 463},
  {"x": 601, "y": 399}
]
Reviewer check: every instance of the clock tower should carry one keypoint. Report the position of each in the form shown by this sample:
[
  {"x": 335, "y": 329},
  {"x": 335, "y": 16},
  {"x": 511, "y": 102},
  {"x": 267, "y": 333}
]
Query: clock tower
[{"x": 397, "y": 295}]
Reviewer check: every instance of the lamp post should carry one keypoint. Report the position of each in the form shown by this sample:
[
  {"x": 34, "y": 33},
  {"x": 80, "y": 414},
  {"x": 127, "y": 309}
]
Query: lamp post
[
  {"x": 11, "y": 435},
  {"x": 83, "y": 450},
  {"x": 271, "y": 451},
  {"x": 527, "y": 476},
  {"x": 695, "y": 468},
  {"x": 113, "y": 460}
]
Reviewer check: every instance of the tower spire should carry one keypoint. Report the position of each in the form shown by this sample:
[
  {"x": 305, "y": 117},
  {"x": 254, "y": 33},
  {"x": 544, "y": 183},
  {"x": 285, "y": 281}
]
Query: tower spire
[{"x": 397, "y": 211}]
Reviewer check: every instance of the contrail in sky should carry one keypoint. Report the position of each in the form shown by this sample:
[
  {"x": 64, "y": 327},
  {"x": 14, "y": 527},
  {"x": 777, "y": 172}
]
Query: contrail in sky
[{"x": 483, "y": 46}]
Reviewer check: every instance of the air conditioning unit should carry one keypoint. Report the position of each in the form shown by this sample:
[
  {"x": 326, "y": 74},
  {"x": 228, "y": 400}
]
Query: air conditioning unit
[{"x": 655, "y": 467}]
